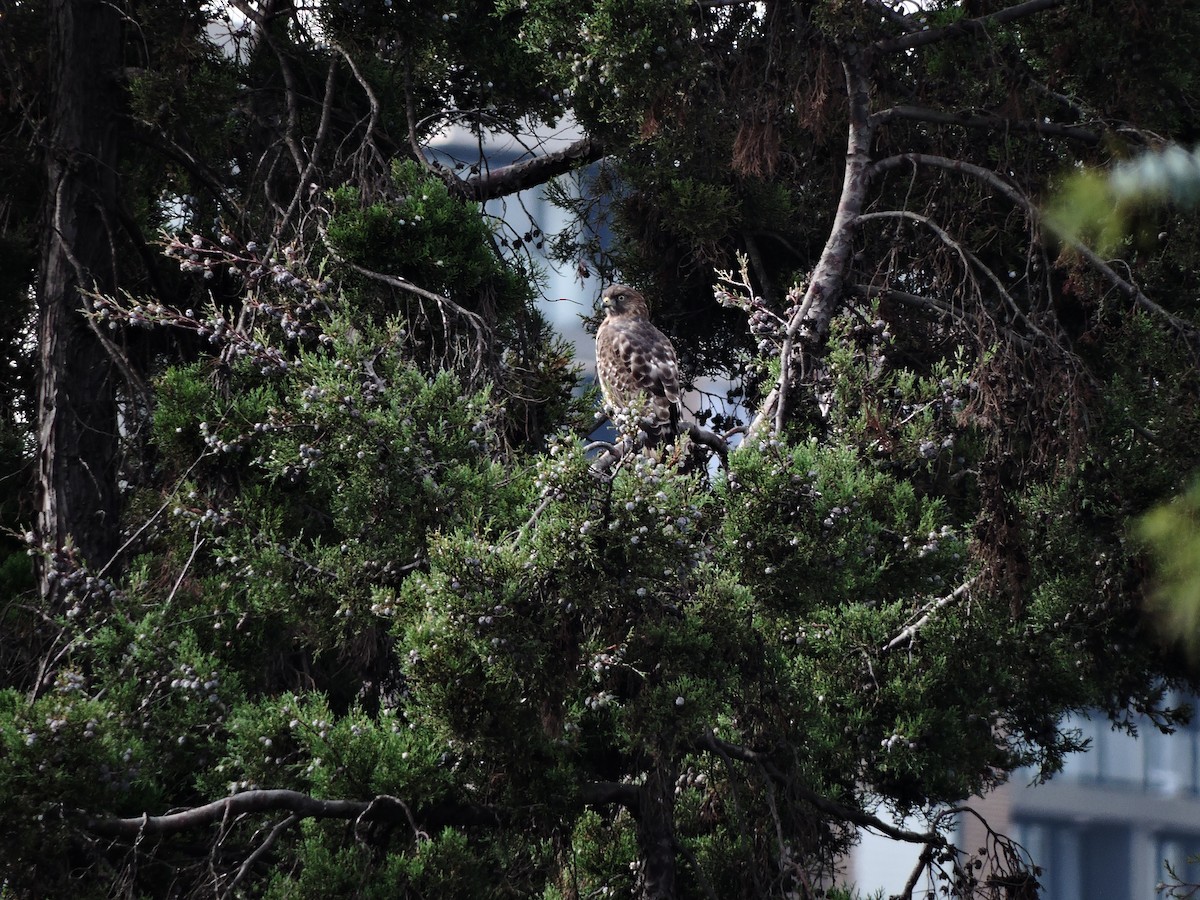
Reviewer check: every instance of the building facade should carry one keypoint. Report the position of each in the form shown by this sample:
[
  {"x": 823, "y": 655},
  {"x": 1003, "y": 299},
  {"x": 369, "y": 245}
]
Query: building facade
[{"x": 1105, "y": 828}]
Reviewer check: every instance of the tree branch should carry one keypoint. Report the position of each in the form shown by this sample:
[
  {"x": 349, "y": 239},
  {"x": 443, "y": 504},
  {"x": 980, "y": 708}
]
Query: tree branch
[
  {"x": 969, "y": 260},
  {"x": 965, "y": 27},
  {"x": 714, "y": 744},
  {"x": 614, "y": 453},
  {"x": 532, "y": 172},
  {"x": 262, "y": 850},
  {"x": 386, "y": 809},
  {"x": 938, "y": 117},
  {"x": 892, "y": 15},
  {"x": 929, "y": 304},
  {"x": 444, "y": 304},
  {"x": 1186, "y": 330},
  {"x": 810, "y": 322},
  {"x": 923, "y": 862},
  {"x": 910, "y": 631},
  {"x": 303, "y": 183},
  {"x": 291, "y": 91},
  {"x": 156, "y": 139}
]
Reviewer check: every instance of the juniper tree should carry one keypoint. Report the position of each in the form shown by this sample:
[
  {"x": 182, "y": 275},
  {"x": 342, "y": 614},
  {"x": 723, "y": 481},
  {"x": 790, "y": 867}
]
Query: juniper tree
[{"x": 376, "y": 620}]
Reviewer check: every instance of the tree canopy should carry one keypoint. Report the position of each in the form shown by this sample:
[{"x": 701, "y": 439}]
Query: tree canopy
[{"x": 315, "y": 583}]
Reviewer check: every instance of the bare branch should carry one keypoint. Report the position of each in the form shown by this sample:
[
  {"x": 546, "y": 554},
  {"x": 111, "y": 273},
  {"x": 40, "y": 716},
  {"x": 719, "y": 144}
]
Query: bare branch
[
  {"x": 197, "y": 543},
  {"x": 893, "y": 15},
  {"x": 158, "y": 140},
  {"x": 910, "y": 631},
  {"x": 985, "y": 121},
  {"x": 830, "y": 807},
  {"x": 291, "y": 89},
  {"x": 969, "y": 261},
  {"x": 261, "y": 850},
  {"x": 810, "y": 322},
  {"x": 710, "y": 439},
  {"x": 614, "y": 453},
  {"x": 410, "y": 117},
  {"x": 299, "y": 805},
  {"x": 302, "y": 185},
  {"x": 965, "y": 27},
  {"x": 372, "y": 101},
  {"x": 954, "y": 165},
  {"x": 444, "y": 304},
  {"x": 88, "y": 295},
  {"x": 532, "y": 172},
  {"x": 1186, "y": 330},
  {"x": 936, "y": 307},
  {"x": 923, "y": 862}
]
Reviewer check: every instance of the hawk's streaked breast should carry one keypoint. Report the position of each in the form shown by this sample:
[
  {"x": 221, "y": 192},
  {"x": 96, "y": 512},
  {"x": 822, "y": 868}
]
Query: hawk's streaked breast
[{"x": 635, "y": 362}]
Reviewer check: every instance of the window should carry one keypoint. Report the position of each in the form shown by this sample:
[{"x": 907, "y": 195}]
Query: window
[
  {"x": 1084, "y": 766},
  {"x": 1078, "y": 862},
  {"x": 1169, "y": 761},
  {"x": 1177, "y": 849},
  {"x": 1121, "y": 756},
  {"x": 1054, "y": 846}
]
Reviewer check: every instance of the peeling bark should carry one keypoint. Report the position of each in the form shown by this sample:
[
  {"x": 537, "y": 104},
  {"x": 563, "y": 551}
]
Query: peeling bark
[
  {"x": 77, "y": 409},
  {"x": 809, "y": 325}
]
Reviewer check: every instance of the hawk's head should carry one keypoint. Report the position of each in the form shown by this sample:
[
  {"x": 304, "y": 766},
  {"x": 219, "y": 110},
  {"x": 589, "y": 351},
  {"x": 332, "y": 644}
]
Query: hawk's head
[{"x": 622, "y": 301}]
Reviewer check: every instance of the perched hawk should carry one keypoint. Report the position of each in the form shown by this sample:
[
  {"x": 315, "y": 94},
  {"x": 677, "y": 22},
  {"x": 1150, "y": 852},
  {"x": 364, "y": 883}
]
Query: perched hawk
[{"x": 636, "y": 363}]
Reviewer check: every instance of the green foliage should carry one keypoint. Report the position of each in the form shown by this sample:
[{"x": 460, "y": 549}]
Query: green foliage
[
  {"x": 427, "y": 236},
  {"x": 604, "y": 55},
  {"x": 199, "y": 89},
  {"x": 1172, "y": 533},
  {"x": 827, "y": 530},
  {"x": 441, "y": 865},
  {"x": 447, "y": 55},
  {"x": 1101, "y": 208}
]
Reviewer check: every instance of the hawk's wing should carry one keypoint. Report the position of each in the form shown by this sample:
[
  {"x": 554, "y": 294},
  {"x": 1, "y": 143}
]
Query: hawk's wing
[{"x": 634, "y": 358}]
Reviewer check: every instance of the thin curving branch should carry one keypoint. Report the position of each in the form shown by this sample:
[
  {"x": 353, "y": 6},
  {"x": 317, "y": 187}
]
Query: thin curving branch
[
  {"x": 372, "y": 126},
  {"x": 88, "y": 296},
  {"x": 714, "y": 744},
  {"x": 965, "y": 27},
  {"x": 444, "y": 304},
  {"x": 969, "y": 261},
  {"x": 614, "y": 453},
  {"x": 1186, "y": 330},
  {"x": 291, "y": 90},
  {"x": 385, "y": 809},
  {"x": 984, "y": 121},
  {"x": 303, "y": 185},
  {"x": 893, "y": 15},
  {"x": 156, "y": 139},
  {"x": 261, "y": 850},
  {"x": 909, "y": 632}
]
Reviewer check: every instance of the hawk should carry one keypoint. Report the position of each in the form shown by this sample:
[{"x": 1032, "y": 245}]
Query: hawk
[{"x": 636, "y": 363}]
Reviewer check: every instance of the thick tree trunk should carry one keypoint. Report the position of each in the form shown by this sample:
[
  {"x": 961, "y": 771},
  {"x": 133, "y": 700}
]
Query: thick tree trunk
[
  {"x": 77, "y": 410},
  {"x": 808, "y": 327},
  {"x": 656, "y": 832}
]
